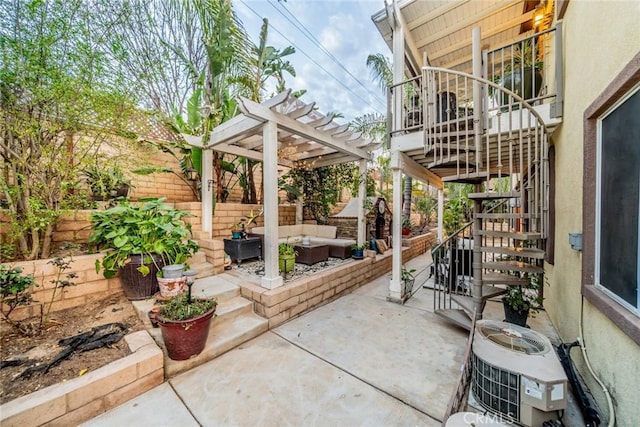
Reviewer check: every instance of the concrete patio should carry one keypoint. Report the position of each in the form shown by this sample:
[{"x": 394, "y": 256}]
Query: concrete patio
[{"x": 359, "y": 360}]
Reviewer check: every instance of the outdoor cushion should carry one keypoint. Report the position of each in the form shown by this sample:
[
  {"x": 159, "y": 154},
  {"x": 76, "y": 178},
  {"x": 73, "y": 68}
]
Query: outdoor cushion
[{"x": 328, "y": 231}]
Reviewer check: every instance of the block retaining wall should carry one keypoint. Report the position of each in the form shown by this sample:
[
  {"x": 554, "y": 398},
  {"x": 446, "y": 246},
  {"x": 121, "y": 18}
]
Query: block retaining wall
[
  {"x": 85, "y": 397},
  {"x": 288, "y": 301}
]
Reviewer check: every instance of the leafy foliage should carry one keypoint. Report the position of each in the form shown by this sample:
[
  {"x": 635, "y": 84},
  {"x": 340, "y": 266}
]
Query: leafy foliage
[
  {"x": 179, "y": 308},
  {"x": 151, "y": 228},
  {"x": 321, "y": 187},
  {"x": 459, "y": 208},
  {"x": 526, "y": 298},
  {"x": 286, "y": 249},
  {"x": 15, "y": 290}
]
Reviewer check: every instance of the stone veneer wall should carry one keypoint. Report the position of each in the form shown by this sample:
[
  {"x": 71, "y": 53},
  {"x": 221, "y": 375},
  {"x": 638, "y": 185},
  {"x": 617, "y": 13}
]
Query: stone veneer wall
[{"x": 285, "y": 302}]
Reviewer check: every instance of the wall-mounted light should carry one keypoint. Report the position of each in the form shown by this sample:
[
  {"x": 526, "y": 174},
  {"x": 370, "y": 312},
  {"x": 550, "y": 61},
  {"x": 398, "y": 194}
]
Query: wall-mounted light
[
  {"x": 539, "y": 14},
  {"x": 192, "y": 174}
]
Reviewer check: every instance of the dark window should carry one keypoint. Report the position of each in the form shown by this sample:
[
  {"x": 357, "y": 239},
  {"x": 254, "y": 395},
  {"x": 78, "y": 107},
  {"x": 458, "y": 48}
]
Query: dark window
[{"x": 611, "y": 205}]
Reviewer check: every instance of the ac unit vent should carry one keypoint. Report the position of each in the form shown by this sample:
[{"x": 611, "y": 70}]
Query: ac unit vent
[
  {"x": 507, "y": 336},
  {"x": 496, "y": 388}
]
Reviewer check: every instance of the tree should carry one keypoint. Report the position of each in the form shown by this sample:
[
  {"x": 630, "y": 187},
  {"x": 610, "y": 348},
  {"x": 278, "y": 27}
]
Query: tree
[{"x": 60, "y": 98}]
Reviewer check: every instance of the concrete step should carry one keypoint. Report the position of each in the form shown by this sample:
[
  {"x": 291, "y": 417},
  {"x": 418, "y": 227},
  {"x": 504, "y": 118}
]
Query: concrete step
[
  {"x": 455, "y": 316},
  {"x": 513, "y": 251},
  {"x": 204, "y": 269},
  {"x": 519, "y": 266},
  {"x": 222, "y": 287},
  {"x": 226, "y": 333},
  {"x": 197, "y": 258}
]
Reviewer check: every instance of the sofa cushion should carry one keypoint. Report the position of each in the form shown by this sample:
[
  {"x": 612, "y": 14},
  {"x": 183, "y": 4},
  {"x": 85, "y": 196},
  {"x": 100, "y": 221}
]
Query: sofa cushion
[
  {"x": 328, "y": 231},
  {"x": 310, "y": 229}
]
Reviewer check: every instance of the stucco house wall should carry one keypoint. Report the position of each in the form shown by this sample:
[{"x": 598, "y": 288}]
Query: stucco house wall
[{"x": 600, "y": 38}]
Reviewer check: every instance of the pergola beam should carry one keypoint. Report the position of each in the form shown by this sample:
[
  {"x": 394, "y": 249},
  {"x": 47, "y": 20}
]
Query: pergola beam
[
  {"x": 414, "y": 169},
  {"x": 260, "y": 113}
]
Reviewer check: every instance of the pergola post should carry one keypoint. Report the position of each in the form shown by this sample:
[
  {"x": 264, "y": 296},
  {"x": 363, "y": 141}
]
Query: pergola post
[
  {"x": 271, "y": 278},
  {"x": 395, "y": 288},
  {"x": 362, "y": 194},
  {"x": 207, "y": 192}
]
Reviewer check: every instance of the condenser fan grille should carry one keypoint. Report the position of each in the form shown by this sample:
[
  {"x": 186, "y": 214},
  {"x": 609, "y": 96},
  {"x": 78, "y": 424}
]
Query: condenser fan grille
[
  {"x": 496, "y": 389},
  {"x": 513, "y": 337}
]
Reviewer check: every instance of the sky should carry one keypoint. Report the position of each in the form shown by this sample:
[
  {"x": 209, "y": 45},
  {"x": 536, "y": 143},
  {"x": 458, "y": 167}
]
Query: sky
[{"x": 344, "y": 29}]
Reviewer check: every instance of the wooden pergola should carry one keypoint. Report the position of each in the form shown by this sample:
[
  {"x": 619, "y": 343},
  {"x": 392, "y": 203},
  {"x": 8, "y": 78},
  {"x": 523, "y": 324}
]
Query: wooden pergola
[{"x": 282, "y": 131}]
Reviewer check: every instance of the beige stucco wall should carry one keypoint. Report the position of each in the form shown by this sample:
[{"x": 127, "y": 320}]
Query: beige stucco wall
[{"x": 600, "y": 38}]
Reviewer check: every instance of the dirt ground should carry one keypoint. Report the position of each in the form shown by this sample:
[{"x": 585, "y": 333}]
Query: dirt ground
[{"x": 43, "y": 347}]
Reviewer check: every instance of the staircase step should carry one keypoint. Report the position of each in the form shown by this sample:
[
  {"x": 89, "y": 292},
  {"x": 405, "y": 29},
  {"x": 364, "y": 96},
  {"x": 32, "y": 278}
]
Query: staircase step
[
  {"x": 465, "y": 302},
  {"x": 197, "y": 258},
  {"x": 513, "y": 251},
  {"x": 492, "y": 195},
  {"x": 224, "y": 335},
  {"x": 516, "y": 235},
  {"x": 492, "y": 291},
  {"x": 204, "y": 269},
  {"x": 457, "y": 316},
  {"x": 503, "y": 279},
  {"x": 522, "y": 267},
  {"x": 502, "y": 215},
  {"x": 222, "y": 287}
]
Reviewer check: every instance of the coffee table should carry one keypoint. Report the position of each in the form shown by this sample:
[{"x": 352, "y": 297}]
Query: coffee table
[{"x": 311, "y": 254}]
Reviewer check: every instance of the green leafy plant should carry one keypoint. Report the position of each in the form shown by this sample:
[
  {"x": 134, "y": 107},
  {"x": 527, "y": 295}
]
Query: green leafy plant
[
  {"x": 527, "y": 297},
  {"x": 59, "y": 283},
  {"x": 407, "y": 274},
  {"x": 363, "y": 247},
  {"x": 15, "y": 290},
  {"x": 150, "y": 228},
  {"x": 106, "y": 182},
  {"x": 180, "y": 308},
  {"x": 286, "y": 249},
  {"x": 406, "y": 223}
]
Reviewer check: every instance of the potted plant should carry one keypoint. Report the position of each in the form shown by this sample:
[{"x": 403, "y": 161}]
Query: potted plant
[
  {"x": 236, "y": 230},
  {"x": 139, "y": 241},
  {"x": 407, "y": 226},
  {"x": 520, "y": 301},
  {"x": 408, "y": 280},
  {"x": 106, "y": 182},
  {"x": 522, "y": 74},
  {"x": 286, "y": 257},
  {"x": 184, "y": 323},
  {"x": 357, "y": 251}
]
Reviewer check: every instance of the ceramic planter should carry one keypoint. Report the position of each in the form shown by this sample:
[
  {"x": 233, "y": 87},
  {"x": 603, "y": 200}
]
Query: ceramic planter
[
  {"x": 513, "y": 316},
  {"x": 172, "y": 286},
  {"x": 357, "y": 253},
  {"x": 286, "y": 262},
  {"x": 186, "y": 338},
  {"x": 135, "y": 285},
  {"x": 236, "y": 234}
]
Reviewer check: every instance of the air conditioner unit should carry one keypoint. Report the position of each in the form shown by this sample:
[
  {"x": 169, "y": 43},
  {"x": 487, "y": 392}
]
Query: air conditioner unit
[{"x": 516, "y": 373}]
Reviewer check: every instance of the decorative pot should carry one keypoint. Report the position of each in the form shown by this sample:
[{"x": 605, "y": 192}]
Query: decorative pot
[
  {"x": 236, "y": 234},
  {"x": 173, "y": 271},
  {"x": 406, "y": 231},
  {"x": 286, "y": 262},
  {"x": 513, "y": 316},
  {"x": 357, "y": 253},
  {"x": 186, "y": 338},
  {"x": 524, "y": 82},
  {"x": 135, "y": 285},
  {"x": 172, "y": 286},
  {"x": 407, "y": 285}
]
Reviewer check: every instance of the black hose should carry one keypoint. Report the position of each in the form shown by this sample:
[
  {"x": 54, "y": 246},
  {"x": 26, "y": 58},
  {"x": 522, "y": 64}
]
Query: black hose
[{"x": 589, "y": 413}]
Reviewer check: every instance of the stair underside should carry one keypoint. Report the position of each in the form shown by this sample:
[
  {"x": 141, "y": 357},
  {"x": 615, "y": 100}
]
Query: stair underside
[
  {"x": 502, "y": 279},
  {"x": 456, "y": 316},
  {"x": 514, "y": 252},
  {"x": 521, "y": 267},
  {"x": 516, "y": 235}
]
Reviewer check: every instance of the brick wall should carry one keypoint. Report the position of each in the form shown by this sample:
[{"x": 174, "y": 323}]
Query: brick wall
[{"x": 290, "y": 300}]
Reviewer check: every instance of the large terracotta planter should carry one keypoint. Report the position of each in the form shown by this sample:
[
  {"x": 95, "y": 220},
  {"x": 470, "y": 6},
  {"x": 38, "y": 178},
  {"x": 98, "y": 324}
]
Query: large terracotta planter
[
  {"x": 135, "y": 285},
  {"x": 186, "y": 338}
]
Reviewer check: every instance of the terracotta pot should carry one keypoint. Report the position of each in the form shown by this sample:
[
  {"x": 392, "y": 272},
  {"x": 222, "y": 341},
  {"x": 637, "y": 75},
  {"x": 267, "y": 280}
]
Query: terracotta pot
[
  {"x": 186, "y": 338},
  {"x": 134, "y": 284},
  {"x": 170, "y": 287}
]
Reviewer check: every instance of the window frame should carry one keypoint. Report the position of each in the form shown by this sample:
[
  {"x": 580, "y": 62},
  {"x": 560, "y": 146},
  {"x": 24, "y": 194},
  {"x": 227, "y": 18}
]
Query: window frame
[{"x": 617, "y": 90}]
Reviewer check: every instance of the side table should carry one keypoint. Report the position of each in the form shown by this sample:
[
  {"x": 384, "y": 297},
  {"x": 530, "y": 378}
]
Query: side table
[{"x": 241, "y": 249}]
